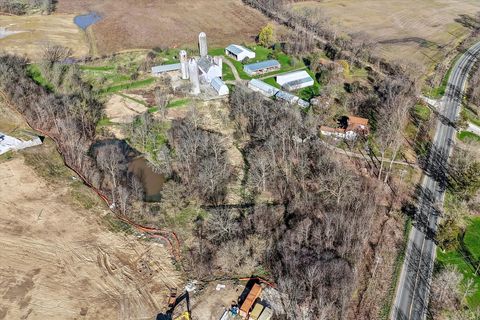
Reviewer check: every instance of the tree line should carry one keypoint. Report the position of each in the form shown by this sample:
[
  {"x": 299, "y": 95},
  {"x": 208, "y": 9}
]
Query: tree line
[{"x": 309, "y": 216}]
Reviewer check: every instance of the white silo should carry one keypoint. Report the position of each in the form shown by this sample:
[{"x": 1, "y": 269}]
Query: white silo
[
  {"x": 202, "y": 44},
  {"x": 194, "y": 78},
  {"x": 184, "y": 64},
  {"x": 219, "y": 62}
]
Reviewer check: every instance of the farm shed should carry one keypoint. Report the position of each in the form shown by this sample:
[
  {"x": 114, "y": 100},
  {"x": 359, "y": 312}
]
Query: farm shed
[
  {"x": 295, "y": 80},
  {"x": 292, "y": 99},
  {"x": 157, "y": 70},
  {"x": 262, "y": 87},
  {"x": 239, "y": 53},
  {"x": 261, "y": 67},
  {"x": 220, "y": 86}
]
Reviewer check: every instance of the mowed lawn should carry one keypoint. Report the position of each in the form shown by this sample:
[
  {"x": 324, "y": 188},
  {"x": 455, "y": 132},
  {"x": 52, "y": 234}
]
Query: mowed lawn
[
  {"x": 459, "y": 258},
  {"x": 407, "y": 30}
]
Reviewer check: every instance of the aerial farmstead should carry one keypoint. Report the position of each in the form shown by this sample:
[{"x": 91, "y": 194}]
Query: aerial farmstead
[{"x": 204, "y": 70}]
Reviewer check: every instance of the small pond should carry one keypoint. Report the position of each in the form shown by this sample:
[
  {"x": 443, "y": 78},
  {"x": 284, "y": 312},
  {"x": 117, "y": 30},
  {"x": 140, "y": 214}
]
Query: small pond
[
  {"x": 86, "y": 20},
  {"x": 152, "y": 181}
]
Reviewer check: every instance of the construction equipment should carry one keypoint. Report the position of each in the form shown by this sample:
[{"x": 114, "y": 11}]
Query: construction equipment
[{"x": 184, "y": 316}]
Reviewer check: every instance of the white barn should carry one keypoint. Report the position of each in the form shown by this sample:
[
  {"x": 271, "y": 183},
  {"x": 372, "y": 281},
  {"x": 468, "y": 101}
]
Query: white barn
[
  {"x": 208, "y": 69},
  {"x": 219, "y": 86},
  {"x": 239, "y": 53},
  {"x": 295, "y": 80}
]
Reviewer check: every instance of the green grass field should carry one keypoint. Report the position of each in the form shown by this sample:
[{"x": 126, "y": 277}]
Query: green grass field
[
  {"x": 422, "y": 112},
  {"x": 35, "y": 73},
  {"x": 466, "y": 135},
  {"x": 459, "y": 259}
]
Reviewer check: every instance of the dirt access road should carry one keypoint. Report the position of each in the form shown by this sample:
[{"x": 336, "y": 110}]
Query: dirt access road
[{"x": 60, "y": 261}]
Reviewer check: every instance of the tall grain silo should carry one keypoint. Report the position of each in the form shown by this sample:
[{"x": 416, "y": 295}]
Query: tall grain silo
[
  {"x": 219, "y": 62},
  {"x": 194, "y": 78},
  {"x": 202, "y": 44},
  {"x": 184, "y": 64}
]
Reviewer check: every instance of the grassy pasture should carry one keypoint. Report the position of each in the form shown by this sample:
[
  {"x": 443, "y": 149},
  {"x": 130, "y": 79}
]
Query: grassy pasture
[
  {"x": 466, "y": 261},
  {"x": 38, "y": 30}
]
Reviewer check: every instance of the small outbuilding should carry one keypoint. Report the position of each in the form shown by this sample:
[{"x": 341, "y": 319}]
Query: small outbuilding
[
  {"x": 219, "y": 86},
  {"x": 158, "y": 70},
  {"x": 261, "y": 67},
  {"x": 295, "y": 80},
  {"x": 239, "y": 53}
]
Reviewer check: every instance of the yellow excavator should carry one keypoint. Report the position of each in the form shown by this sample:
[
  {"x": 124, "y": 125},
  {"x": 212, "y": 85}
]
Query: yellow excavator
[{"x": 174, "y": 301}]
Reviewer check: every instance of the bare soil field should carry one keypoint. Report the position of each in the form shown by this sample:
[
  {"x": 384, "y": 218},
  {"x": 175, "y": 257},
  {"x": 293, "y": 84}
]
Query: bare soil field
[
  {"x": 130, "y": 24},
  {"x": 34, "y": 32},
  {"x": 122, "y": 110},
  {"x": 409, "y": 30},
  {"x": 60, "y": 261}
]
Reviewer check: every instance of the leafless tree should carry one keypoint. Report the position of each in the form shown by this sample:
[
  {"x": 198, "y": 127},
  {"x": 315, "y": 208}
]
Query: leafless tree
[{"x": 111, "y": 160}]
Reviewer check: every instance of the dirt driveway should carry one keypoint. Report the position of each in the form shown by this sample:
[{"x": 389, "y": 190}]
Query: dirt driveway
[{"x": 59, "y": 260}]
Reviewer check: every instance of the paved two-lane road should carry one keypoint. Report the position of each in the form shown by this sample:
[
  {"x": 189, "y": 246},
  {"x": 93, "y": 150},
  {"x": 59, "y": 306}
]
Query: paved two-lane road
[{"x": 414, "y": 285}]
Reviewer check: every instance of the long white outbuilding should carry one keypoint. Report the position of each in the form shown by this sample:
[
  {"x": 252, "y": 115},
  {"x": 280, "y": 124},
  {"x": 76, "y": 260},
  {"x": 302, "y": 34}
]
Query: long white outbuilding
[{"x": 295, "y": 80}]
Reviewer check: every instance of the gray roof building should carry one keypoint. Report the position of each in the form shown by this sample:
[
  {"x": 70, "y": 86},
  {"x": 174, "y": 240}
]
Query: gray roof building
[
  {"x": 219, "y": 86},
  {"x": 261, "y": 67},
  {"x": 166, "y": 68}
]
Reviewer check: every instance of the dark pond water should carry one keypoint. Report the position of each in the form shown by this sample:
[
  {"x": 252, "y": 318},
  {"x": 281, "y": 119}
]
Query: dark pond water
[
  {"x": 86, "y": 20},
  {"x": 152, "y": 181}
]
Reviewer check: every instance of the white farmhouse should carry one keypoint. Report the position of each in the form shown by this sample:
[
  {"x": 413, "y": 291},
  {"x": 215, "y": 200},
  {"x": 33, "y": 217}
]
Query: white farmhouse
[
  {"x": 239, "y": 53},
  {"x": 295, "y": 80}
]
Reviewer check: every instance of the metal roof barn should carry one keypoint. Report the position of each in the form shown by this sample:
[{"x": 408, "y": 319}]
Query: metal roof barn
[
  {"x": 295, "y": 80},
  {"x": 209, "y": 69},
  {"x": 292, "y": 99},
  {"x": 239, "y": 53},
  {"x": 166, "y": 68},
  {"x": 261, "y": 67},
  {"x": 219, "y": 86},
  {"x": 262, "y": 87}
]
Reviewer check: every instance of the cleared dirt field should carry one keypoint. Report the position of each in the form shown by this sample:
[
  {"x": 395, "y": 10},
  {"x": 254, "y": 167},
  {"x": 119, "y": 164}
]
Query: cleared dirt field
[
  {"x": 167, "y": 23},
  {"x": 409, "y": 30},
  {"x": 60, "y": 261},
  {"x": 34, "y": 32}
]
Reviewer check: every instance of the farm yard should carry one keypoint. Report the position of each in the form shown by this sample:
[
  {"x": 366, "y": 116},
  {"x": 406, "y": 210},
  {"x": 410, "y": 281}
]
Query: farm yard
[
  {"x": 409, "y": 30},
  {"x": 29, "y": 34},
  {"x": 146, "y": 24}
]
